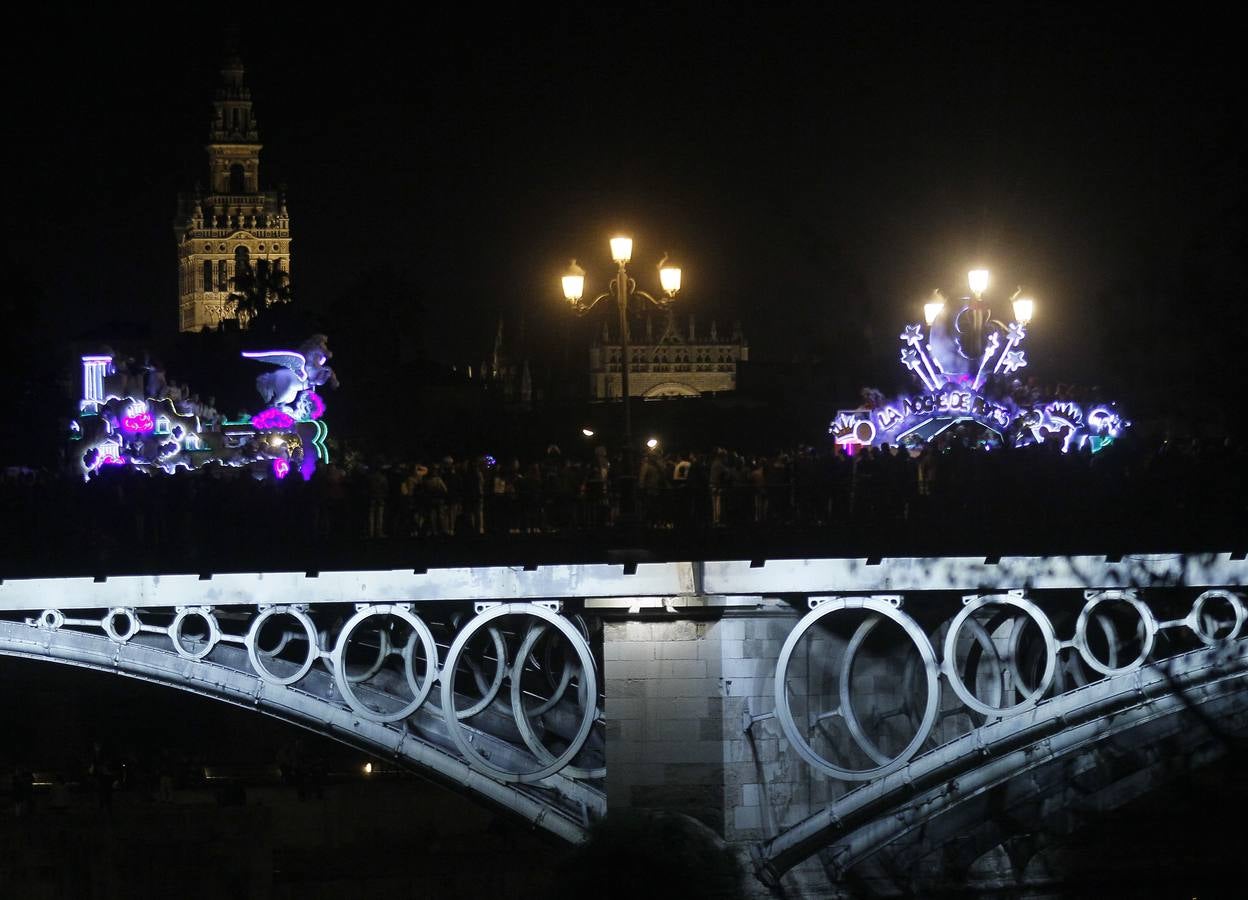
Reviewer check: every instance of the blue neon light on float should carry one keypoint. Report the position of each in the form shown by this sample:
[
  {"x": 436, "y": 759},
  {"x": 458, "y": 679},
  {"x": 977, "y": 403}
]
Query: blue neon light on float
[
  {"x": 964, "y": 363},
  {"x": 118, "y": 425}
]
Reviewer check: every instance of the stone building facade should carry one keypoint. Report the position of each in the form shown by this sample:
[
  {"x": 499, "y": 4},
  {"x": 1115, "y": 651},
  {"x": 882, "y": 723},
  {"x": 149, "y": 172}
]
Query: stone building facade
[
  {"x": 666, "y": 360},
  {"x": 235, "y": 224}
]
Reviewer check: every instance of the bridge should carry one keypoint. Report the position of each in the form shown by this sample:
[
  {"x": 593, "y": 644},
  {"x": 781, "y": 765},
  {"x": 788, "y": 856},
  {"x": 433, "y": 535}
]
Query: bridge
[{"x": 839, "y": 722}]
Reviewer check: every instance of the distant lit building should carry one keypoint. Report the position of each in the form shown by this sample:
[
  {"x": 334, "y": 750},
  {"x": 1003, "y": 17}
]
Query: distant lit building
[
  {"x": 235, "y": 224},
  {"x": 667, "y": 361}
]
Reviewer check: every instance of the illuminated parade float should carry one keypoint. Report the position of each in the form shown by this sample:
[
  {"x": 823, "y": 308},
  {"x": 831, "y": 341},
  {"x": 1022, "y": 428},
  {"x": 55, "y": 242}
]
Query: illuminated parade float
[
  {"x": 966, "y": 364},
  {"x": 127, "y": 419}
]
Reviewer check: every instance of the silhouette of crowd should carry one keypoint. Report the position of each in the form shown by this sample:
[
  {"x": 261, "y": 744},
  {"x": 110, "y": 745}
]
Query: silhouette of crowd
[{"x": 953, "y": 494}]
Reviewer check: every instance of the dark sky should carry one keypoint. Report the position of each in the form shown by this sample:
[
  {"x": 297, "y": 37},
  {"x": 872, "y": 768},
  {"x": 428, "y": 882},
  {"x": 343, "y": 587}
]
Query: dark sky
[{"x": 816, "y": 169}]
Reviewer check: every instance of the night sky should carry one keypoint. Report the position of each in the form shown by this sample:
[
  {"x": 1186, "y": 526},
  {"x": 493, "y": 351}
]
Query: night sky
[{"x": 816, "y": 171}]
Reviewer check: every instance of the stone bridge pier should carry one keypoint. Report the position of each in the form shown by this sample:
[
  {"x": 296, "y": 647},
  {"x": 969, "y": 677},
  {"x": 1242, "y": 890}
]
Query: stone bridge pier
[
  {"x": 890, "y": 744},
  {"x": 685, "y": 694}
]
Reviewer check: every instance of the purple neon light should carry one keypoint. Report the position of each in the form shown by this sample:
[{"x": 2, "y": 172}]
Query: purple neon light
[
  {"x": 272, "y": 418},
  {"x": 140, "y": 423},
  {"x": 281, "y": 468},
  {"x": 316, "y": 405}
]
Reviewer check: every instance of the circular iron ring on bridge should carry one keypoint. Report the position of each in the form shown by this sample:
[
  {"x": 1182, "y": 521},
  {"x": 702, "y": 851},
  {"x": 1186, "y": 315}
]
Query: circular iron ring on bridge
[
  {"x": 950, "y": 663},
  {"x": 1147, "y": 619},
  {"x": 785, "y": 715},
  {"x": 1198, "y": 608},
  {"x": 456, "y": 728},
  {"x": 51, "y": 619},
  {"x": 420, "y": 692},
  {"x": 488, "y": 694},
  {"x": 522, "y": 715},
  {"x": 847, "y": 711},
  {"x": 213, "y": 631},
  {"x": 255, "y": 653},
  {"x": 110, "y": 627}
]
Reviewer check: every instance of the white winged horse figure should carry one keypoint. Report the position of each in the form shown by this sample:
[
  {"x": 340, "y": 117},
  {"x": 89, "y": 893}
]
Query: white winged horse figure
[{"x": 298, "y": 370}]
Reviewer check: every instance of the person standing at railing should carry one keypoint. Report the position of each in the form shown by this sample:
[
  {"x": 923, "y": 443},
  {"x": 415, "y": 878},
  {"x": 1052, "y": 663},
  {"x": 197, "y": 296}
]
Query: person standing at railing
[
  {"x": 652, "y": 481},
  {"x": 720, "y": 478},
  {"x": 758, "y": 488}
]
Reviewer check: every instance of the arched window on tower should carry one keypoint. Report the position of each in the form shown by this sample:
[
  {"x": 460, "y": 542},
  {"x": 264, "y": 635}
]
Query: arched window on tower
[
  {"x": 223, "y": 279},
  {"x": 238, "y": 179},
  {"x": 207, "y": 275},
  {"x": 242, "y": 264}
]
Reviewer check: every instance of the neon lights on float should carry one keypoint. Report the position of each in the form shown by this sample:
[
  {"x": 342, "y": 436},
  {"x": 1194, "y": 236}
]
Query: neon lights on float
[
  {"x": 1014, "y": 337},
  {"x": 993, "y": 342},
  {"x": 316, "y": 406},
  {"x": 272, "y": 418},
  {"x": 139, "y": 423},
  {"x": 156, "y": 433},
  {"x": 958, "y": 387},
  {"x": 94, "y": 368}
]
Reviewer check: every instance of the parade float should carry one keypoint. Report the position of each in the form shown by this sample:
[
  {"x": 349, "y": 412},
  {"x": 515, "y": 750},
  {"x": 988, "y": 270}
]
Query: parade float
[
  {"x": 129, "y": 416},
  {"x": 964, "y": 367}
]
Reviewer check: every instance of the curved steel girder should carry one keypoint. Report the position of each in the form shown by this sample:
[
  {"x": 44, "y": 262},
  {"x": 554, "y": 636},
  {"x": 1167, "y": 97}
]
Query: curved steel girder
[
  {"x": 558, "y": 804},
  {"x": 876, "y": 814},
  {"x": 1049, "y": 802}
]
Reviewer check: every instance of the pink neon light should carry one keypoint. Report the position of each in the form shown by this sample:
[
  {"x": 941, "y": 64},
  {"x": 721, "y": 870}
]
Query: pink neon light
[
  {"x": 140, "y": 424},
  {"x": 317, "y": 405},
  {"x": 272, "y": 418},
  {"x": 308, "y": 466},
  {"x": 281, "y": 468}
]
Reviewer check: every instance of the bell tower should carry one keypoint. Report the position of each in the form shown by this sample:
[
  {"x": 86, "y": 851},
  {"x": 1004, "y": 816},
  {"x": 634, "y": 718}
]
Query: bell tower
[{"x": 236, "y": 226}]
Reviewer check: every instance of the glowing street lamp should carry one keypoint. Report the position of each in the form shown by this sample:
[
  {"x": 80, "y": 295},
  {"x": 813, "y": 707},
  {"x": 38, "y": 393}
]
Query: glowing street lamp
[
  {"x": 623, "y": 289},
  {"x": 669, "y": 279},
  {"x": 621, "y": 249},
  {"x": 978, "y": 334},
  {"x": 574, "y": 283},
  {"x": 978, "y": 280}
]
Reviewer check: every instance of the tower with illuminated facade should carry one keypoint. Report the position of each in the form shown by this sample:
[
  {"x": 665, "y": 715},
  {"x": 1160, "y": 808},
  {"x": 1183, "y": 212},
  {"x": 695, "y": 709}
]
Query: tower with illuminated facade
[{"x": 235, "y": 225}]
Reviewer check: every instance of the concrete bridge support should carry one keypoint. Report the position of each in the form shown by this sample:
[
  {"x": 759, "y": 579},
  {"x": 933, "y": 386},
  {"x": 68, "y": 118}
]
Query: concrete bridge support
[
  {"x": 689, "y": 728},
  {"x": 964, "y": 744}
]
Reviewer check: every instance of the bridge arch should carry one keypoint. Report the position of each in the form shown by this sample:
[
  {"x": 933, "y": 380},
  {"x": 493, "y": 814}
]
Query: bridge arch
[
  {"x": 956, "y": 791},
  {"x": 343, "y": 673}
]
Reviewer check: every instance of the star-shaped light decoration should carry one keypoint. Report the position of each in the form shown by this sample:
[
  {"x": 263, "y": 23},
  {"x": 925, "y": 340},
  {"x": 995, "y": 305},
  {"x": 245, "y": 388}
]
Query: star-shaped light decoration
[
  {"x": 1013, "y": 361},
  {"x": 1016, "y": 333},
  {"x": 910, "y": 356},
  {"x": 913, "y": 334}
]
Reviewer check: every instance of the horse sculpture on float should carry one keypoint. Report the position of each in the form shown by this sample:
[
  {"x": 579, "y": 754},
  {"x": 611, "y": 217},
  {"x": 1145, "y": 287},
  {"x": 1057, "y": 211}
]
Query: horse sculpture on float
[{"x": 300, "y": 370}]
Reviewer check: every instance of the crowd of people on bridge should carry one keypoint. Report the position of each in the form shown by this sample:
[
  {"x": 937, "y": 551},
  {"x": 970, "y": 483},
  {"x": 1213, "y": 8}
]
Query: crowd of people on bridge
[{"x": 955, "y": 485}]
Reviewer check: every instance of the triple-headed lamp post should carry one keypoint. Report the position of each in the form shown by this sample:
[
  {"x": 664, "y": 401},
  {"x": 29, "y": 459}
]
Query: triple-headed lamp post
[
  {"x": 978, "y": 334},
  {"x": 978, "y": 279},
  {"x": 623, "y": 289}
]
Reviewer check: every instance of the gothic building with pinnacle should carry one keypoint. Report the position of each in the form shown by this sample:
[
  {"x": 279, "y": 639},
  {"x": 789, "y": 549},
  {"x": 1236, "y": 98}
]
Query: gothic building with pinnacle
[{"x": 235, "y": 226}]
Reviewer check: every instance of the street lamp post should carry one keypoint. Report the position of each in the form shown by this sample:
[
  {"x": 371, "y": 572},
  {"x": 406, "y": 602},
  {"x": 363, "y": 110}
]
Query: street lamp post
[
  {"x": 978, "y": 334},
  {"x": 623, "y": 289}
]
